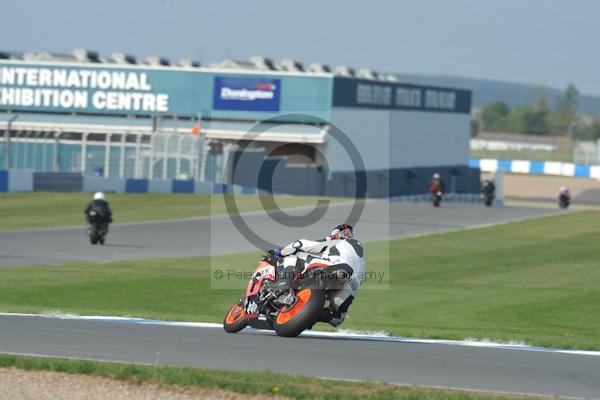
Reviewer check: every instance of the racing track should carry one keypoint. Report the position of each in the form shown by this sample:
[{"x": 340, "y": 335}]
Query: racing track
[
  {"x": 442, "y": 365},
  {"x": 489, "y": 369},
  {"x": 217, "y": 235}
]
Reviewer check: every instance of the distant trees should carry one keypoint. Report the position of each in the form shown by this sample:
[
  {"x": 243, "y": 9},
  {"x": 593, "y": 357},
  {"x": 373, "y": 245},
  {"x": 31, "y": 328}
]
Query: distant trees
[
  {"x": 540, "y": 119},
  {"x": 565, "y": 118},
  {"x": 494, "y": 112},
  {"x": 589, "y": 131},
  {"x": 534, "y": 119}
]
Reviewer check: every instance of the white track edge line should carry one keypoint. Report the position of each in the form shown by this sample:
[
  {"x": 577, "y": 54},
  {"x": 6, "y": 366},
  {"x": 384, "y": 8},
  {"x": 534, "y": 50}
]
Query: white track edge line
[{"x": 317, "y": 334}]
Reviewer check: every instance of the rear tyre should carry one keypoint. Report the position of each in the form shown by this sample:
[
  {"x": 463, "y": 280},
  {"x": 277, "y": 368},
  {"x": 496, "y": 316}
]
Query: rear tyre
[
  {"x": 291, "y": 321},
  {"x": 235, "y": 320},
  {"x": 94, "y": 234}
]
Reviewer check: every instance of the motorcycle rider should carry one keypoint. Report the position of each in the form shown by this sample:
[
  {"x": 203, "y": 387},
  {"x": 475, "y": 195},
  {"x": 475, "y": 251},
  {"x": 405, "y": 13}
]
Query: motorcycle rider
[
  {"x": 102, "y": 208},
  {"x": 488, "y": 188},
  {"x": 436, "y": 183},
  {"x": 564, "y": 197},
  {"x": 339, "y": 249}
]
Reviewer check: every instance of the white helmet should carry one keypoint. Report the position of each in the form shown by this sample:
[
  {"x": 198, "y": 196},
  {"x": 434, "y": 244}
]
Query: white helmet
[
  {"x": 436, "y": 176},
  {"x": 99, "y": 196}
]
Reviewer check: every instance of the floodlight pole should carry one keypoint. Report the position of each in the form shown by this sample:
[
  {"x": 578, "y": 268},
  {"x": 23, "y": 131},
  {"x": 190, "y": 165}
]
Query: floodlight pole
[{"x": 7, "y": 154}]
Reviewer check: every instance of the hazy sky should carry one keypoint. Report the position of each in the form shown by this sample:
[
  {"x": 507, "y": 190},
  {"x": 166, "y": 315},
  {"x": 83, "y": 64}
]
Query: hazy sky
[{"x": 546, "y": 42}]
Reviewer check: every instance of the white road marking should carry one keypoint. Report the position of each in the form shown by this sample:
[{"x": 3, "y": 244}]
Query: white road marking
[{"x": 379, "y": 337}]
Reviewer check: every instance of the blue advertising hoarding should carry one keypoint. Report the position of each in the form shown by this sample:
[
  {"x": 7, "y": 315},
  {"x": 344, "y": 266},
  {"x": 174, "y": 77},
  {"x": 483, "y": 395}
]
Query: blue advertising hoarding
[{"x": 246, "y": 94}]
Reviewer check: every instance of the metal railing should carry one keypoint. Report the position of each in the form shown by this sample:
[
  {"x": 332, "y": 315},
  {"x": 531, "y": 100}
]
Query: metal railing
[{"x": 159, "y": 155}]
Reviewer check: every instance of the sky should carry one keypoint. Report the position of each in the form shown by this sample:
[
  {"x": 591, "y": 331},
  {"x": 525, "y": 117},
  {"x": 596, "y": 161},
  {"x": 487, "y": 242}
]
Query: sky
[{"x": 541, "y": 42}]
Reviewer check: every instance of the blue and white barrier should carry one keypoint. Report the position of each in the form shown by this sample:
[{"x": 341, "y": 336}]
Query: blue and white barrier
[
  {"x": 161, "y": 186},
  {"x": 536, "y": 167},
  {"x": 16, "y": 181},
  {"x": 103, "y": 185},
  {"x": 24, "y": 181}
]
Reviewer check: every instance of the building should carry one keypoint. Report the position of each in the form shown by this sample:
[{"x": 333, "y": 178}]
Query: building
[{"x": 314, "y": 131}]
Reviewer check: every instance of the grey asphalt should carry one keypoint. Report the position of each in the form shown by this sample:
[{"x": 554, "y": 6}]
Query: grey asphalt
[
  {"x": 218, "y": 235},
  {"x": 406, "y": 363},
  {"x": 437, "y": 365}
]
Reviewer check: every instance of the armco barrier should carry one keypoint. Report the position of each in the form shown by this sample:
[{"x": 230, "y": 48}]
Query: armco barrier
[
  {"x": 57, "y": 181},
  {"x": 136, "y": 186},
  {"x": 160, "y": 186},
  {"x": 3, "y": 181},
  {"x": 23, "y": 181},
  {"x": 536, "y": 167},
  {"x": 20, "y": 180},
  {"x": 16, "y": 180},
  {"x": 203, "y": 187},
  {"x": 448, "y": 198},
  {"x": 103, "y": 185},
  {"x": 182, "y": 186}
]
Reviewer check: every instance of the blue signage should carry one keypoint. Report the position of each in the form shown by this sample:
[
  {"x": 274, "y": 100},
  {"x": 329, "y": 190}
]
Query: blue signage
[
  {"x": 246, "y": 94},
  {"x": 110, "y": 89},
  {"x": 362, "y": 93}
]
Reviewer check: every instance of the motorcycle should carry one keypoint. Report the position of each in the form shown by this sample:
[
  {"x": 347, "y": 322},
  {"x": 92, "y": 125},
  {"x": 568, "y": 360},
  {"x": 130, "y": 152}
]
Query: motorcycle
[
  {"x": 564, "y": 200},
  {"x": 488, "y": 190},
  {"x": 97, "y": 228},
  {"x": 291, "y": 312},
  {"x": 436, "y": 195},
  {"x": 487, "y": 198}
]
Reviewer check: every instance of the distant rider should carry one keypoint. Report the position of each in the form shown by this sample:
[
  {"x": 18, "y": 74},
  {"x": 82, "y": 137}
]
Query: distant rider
[
  {"x": 436, "y": 184},
  {"x": 339, "y": 249},
  {"x": 564, "y": 197},
  {"x": 101, "y": 207},
  {"x": 488, "y": 188}
]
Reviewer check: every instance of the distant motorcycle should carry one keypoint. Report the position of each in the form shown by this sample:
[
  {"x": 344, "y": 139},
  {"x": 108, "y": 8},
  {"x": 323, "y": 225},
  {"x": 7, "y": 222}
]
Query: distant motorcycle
[
  {"x": 564, "y": 198},
  {"x": 488, "y": 199},
  {"x": 97, "y": 228},
  {"x": 488, "y": 193},
  {"x": 436, "y": 194}
]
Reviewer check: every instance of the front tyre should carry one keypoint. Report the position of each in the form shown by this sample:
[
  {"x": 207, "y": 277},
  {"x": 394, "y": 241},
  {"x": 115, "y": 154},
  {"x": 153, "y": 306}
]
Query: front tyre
[
  {"x": 235, "y": 320},
  {"x": 291, "y": 321}
]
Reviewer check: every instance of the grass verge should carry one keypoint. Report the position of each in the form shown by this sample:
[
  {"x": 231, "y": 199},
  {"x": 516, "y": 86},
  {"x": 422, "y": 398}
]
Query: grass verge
[
  {"x": 534, "y": 282},
  {"x": 532, "y": 155},
  {"x": 260, "y": 383},
  {"x": 52, "y": 209}
]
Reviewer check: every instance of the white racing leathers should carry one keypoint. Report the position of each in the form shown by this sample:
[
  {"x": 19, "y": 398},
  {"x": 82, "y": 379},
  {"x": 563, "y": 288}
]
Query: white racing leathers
[{"x": 303, "y": 254}]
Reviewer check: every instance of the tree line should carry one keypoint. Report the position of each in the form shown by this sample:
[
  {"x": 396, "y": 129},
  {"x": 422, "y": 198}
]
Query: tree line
[{"x": 540, "y": 118}]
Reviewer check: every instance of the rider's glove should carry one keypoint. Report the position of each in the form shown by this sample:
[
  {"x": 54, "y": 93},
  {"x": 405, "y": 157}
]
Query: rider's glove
[
  {"x": 274, "y": 253},
  {"x": 273, "y": 256}
]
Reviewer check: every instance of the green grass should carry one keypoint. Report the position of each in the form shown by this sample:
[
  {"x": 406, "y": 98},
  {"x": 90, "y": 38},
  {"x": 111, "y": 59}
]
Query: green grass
[
  {"x": 250, "y": 383},
  {"x": 534, "y": 282},
  {"x": 51, "y": 209},
  {"x": 531, "y": 155}
]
